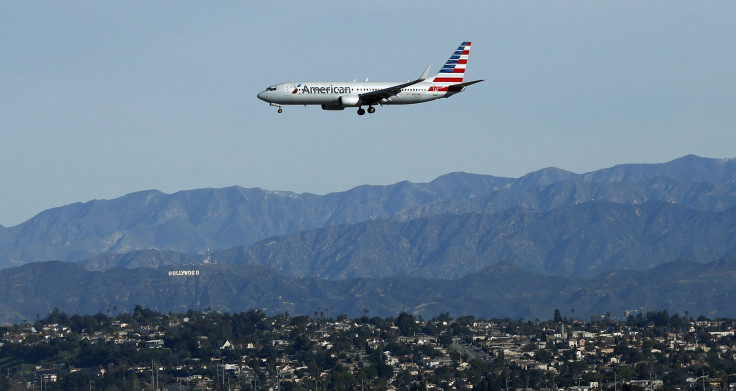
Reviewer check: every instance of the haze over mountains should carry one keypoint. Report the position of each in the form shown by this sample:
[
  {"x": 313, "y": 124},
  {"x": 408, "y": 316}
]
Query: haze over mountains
[
  {"x": 502, "y": 290},
  {"x": 193, "y": 221},
  {"x": 576, "y": 241},
  {"x": 550, "y": 223}
]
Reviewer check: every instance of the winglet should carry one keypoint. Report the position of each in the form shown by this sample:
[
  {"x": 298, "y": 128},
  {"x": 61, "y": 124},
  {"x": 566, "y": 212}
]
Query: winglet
[{"x": 425, "y": 74}]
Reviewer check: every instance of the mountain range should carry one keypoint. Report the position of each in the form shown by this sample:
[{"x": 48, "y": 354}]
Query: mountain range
[
  {"x": 197, "y": 220},
  {"x": 502, "y": 290},
  {"x": 550, "y": 223},
  {"x": 579, "y": 241}
]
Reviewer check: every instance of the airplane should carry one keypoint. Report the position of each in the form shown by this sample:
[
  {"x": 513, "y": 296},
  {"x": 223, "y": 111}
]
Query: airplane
[{"x": 339, "y": 95}]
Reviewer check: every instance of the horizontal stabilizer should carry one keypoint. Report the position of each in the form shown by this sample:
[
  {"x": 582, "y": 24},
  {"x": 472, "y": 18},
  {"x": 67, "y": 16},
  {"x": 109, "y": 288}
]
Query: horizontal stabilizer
[
  {"x": 461, "y": 86},
  {"x": 469, "y": 83}
]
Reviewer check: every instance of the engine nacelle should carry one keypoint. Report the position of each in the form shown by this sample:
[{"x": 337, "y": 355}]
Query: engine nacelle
[
  {"x": 349, "y": 100},
  {"x": 332, "y": 107}
]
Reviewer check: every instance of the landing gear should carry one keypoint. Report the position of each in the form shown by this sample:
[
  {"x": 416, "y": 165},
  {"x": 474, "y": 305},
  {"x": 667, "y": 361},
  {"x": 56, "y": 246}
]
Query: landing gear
[
  {"x": 277, "y": 105},
  {"x": 371, "y": 110}
]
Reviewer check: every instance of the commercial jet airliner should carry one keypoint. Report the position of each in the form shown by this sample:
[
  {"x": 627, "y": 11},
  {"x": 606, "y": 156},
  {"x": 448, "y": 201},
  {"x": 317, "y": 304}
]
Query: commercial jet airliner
[{"x": 339, "y": 95}]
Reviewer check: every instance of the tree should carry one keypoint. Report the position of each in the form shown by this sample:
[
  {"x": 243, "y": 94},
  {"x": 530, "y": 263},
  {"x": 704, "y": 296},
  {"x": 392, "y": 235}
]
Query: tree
[
  {"x": 407, "y": 324},
  {"x": 658, "y": 318},
  {"x": 558, "y": 316}
]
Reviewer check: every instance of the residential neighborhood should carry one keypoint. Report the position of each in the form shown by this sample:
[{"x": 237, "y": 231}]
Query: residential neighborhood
[{"x": 147, "y": 350}]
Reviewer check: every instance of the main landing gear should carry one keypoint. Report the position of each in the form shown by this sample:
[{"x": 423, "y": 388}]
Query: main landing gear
[{"x": 371, "y": 110}]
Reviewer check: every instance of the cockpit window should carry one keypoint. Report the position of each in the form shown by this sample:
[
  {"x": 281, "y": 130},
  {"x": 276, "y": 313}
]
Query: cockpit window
[{"x": 272, "y": 88}]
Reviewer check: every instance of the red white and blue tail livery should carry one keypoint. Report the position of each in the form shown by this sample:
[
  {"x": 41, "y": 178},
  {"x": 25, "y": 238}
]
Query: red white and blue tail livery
[
  {"x": 454, "y": 69},
  {"x": 339, "y": 95}
]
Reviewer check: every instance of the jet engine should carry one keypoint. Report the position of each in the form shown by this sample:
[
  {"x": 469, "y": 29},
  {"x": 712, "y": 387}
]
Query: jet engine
[{"x": 349, "y": 101}]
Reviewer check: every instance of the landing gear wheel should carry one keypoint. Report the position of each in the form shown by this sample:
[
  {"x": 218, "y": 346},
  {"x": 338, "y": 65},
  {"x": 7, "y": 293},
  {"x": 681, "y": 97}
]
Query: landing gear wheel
[
  {"x": 361, "y": 111},
  {"x": 371, "y": 109},
  {"x": 277, "y": 105}
]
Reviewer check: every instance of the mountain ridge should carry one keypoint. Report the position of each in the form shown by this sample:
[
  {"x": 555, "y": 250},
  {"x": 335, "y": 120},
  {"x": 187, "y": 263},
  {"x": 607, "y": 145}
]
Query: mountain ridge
[
  {"x": 578, "y": 240},
  {"x": 501, "y": 290},
  {"x": 700, "y": 195},
  {"x": 194, "y": 221}
]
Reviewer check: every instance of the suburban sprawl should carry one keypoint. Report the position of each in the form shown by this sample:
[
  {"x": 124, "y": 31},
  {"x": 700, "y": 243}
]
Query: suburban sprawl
[{"x": 208, "y": 350}]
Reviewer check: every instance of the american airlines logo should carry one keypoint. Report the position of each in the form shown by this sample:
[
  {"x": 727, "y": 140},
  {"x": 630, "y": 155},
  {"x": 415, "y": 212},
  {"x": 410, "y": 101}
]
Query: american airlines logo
[{"x": 322, "y": 90}]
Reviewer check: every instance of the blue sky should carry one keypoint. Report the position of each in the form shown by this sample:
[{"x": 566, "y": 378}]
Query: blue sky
[{"x": 101, "y": 99}]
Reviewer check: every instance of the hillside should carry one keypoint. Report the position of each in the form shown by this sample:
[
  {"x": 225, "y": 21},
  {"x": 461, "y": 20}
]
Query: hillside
[
  {"x": 580, "y": 240},
  {"x": 502, "y": 290},
  {"x": 698, "y": 195},
  {"x": 195, "y": 220}
]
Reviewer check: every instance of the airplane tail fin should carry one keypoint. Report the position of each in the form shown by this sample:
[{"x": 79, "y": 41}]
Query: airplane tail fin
[{"x": 454, "y": 69}]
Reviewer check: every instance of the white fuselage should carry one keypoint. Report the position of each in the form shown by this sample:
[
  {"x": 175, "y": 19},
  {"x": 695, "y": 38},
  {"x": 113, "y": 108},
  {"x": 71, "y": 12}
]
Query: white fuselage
[
  {"x": 335, "y": 95},
  {"x": 329, "y": 93}
]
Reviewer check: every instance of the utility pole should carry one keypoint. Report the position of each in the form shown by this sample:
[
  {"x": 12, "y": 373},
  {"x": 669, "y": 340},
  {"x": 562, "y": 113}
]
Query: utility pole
[
  {"x": 703, "y": 377},
  {"x": 651, "y": 385}
]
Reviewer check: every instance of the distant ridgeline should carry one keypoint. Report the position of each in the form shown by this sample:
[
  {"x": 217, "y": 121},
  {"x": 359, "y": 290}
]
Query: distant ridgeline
[
  {"x": 502, "y": 290},
  {"x": 465, "y": 243}
]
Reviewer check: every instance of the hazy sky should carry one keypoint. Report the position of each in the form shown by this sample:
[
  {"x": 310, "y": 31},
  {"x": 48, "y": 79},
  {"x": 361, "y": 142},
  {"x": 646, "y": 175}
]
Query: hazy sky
[{"x": 102, "y": 98}]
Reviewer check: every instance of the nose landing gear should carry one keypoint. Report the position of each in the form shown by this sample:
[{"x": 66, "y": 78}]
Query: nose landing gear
[{"x": 277, "y": 105}]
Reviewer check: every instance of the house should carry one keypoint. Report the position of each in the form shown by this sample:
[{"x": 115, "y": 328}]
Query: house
[
  {"x": 154, "y": 344},
  {"x": 225, "y": 345}
]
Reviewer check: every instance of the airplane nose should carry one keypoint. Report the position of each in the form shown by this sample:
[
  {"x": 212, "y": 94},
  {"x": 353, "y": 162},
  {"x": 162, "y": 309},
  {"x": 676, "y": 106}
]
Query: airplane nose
[{"x": 262, "y": 96}]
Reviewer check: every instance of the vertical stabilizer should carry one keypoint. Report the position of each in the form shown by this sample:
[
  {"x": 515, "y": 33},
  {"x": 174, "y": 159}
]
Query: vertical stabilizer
[{"x": 454, "y": 69}]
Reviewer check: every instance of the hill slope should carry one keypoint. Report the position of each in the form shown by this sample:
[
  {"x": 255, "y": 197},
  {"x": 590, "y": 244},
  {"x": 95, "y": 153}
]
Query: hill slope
[
  {"x": 193, "y": 221},
  {"x": 503, "y": 290},
  {"x": 578, "y": 240}
]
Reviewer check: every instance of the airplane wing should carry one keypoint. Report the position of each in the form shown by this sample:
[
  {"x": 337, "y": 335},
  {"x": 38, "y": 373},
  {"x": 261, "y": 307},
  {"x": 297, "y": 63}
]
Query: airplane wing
[{"x": 374, "y": 97}]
